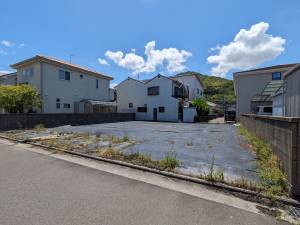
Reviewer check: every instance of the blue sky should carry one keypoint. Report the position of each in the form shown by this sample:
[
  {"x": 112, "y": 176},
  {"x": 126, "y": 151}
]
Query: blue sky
[{"x": 179, "y": 34}]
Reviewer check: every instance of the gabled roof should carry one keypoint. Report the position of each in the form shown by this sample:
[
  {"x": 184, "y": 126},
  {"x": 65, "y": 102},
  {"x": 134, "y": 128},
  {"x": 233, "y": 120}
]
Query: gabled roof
[
  {"x": 189, "y": 75},
  {"x": 289, "y": 72},
  {"x": 53, "y": 61},
  {"x": 149, "y": 80}
]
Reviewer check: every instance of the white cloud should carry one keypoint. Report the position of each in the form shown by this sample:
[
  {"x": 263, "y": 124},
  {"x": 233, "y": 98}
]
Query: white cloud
[
  {"x": 103, "y": 62},
  {"x": 173, "y": 58},
  {"x": 112, "y": 85},
  {"x": 7, "y": 43},
  {"x": 5, "y": 71},
  {"x": 248, "y": 49},
  {"x": 22, "y": 45}
]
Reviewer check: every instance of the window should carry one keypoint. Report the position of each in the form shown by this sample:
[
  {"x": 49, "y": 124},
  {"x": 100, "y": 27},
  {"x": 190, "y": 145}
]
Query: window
[
  {"x": 153, "y": 90},
  {"x": 161, "y": 109},
  {"x": 67, "y": 106},
  {"x": 142, "y": 109},
  {"x": 27, "y": 73},
  {"x": 130, "y": 105},
  {"x": 276, "y": 76},
  {"x": 58, "y": 99},
  {"x": 198, "y": 91},
  {"x": 268, "y": 110},
  {"x": 64, "y": 75},
  {"x": 97, "y": 83},
  {"x": 67, "y": 75},
  {"x": 58, "y": 105},
  {"x": 81, "y": 76}
]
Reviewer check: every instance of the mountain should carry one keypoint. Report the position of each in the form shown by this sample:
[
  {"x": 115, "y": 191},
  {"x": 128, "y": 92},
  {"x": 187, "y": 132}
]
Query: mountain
[{"x": 216, "y": 88}]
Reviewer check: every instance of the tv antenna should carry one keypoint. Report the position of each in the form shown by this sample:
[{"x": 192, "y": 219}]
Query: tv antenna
[{"x": 70, "y": 57}]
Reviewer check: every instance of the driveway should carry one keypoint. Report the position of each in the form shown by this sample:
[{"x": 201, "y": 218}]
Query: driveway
[
  {"x": 197, "y": 146},
  {"x": 38, "y": 189}
]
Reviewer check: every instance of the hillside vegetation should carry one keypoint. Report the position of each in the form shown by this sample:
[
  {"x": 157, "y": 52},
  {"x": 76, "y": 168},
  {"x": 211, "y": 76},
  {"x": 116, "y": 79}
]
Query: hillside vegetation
[{"x": 216, "y": 88}]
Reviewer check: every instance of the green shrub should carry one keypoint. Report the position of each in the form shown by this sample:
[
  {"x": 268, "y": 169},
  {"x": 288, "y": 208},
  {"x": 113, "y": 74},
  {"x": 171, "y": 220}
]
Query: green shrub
[
  {"x": 17, "y": 99},
  {"x": 201, "y": 106}
]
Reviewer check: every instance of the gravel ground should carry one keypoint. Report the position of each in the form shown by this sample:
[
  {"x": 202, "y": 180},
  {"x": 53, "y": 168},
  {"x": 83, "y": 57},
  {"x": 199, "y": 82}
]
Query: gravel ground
[{"x": 196, "y": 145}]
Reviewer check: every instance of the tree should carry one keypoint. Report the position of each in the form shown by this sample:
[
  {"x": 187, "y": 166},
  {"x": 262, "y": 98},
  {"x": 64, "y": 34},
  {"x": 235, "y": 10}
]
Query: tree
[
  {"x": 17, "y": 99},
  {"x": 201, "y": 106}
]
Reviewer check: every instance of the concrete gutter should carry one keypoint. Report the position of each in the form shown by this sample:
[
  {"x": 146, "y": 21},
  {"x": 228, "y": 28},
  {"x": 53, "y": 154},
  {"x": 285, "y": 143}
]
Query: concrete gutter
[{"x": 240, "y": 192}]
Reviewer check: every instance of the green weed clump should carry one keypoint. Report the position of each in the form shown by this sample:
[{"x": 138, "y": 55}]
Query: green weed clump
[
  {"x": 39, "y": 127},
  {"x": 169, "y": 162},
  {"x": 125, "y": 138},
  {"x": 273, "y": 180}
]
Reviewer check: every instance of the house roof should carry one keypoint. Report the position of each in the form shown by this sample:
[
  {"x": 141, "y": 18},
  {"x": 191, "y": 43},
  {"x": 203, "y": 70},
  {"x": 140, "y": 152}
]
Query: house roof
[
  {"x": 270, "y": 89},
  {"x": 267, "y": 68},
  {"x": 292, "y": 70},
  {"x": 7, "y": 74},
  {"x": 148, "y": 80},
  {"x": 53, "y": 61},
  {"x": 188, "y": 75}
]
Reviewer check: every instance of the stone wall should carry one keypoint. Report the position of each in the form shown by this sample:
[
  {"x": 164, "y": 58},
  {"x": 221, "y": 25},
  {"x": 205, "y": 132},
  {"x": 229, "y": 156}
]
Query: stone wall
[
  {"x": 23, "y": 121},
  {"x": 283, "y": 134}
]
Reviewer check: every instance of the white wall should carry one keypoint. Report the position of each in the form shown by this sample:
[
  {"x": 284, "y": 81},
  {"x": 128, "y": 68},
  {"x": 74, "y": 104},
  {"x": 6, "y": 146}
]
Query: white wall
[
  {"x": 76, "y": 89},
  {"x": 46, "y": 81},
  {"x": 133, "y": 91},
  {"x": 195, "y": 87}
]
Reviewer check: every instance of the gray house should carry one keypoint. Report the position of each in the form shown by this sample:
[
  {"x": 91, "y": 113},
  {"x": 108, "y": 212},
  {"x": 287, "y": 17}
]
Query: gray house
[
  {"x": 291, "y": 92},
  {"x": 251, "y": 83},
  {"x": 8, "y": 79}
]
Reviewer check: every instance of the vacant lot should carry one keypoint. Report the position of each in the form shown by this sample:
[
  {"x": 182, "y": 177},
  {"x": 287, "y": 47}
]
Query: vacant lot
[{"x": 197, "y": 146}]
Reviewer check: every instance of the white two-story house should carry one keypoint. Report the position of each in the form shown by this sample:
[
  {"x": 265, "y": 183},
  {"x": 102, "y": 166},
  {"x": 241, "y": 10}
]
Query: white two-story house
[
  {"x": 193, "y": 81},
  {"x": 158, "y": 99},
  {"x": 62, "y": 84}
]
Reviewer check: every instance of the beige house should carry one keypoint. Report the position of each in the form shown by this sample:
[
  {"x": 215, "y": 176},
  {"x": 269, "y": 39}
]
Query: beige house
[
  {"x": 62, "y": 84},
  {"x": 250, "y": 83}
]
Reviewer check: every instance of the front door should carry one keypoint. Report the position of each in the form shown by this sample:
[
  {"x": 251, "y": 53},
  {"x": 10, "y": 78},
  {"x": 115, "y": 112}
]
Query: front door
[{"x": 155, "y": 114}]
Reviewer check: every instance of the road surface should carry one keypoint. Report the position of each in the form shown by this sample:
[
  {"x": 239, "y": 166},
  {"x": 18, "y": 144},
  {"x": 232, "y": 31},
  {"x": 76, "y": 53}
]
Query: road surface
[{"x": 38, "y": 189}]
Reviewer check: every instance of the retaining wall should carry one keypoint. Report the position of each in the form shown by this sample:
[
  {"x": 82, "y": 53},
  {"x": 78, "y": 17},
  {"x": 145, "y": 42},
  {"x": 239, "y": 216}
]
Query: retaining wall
[
  {"x": 283, "y": 134},
  {"x": 24, "y": 121}
]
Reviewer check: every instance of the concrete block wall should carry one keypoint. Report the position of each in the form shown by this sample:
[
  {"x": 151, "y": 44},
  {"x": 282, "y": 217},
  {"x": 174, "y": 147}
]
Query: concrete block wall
[
  {"x": 283, "y": 134},
  {"x": 24, "y": 121}
]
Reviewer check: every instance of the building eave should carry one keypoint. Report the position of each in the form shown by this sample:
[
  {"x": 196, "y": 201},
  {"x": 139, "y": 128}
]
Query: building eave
[{"x": 52, "y": 61}]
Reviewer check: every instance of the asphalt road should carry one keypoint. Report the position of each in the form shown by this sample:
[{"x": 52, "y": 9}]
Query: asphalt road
[{"x": 39, "y": 189}]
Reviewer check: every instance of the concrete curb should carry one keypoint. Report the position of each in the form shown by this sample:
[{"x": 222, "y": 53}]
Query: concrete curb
[{"x": 219, "y": 186}]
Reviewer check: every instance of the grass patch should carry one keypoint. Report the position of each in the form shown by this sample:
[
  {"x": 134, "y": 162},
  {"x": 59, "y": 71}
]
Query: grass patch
[
  {"x": 213, "y": 175},
  {"x": 39, "y": 127},
  {"x": 272, "y": 178},
  {"x": 125, "y": 138},
  {"x": 169, "y": 162}
]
